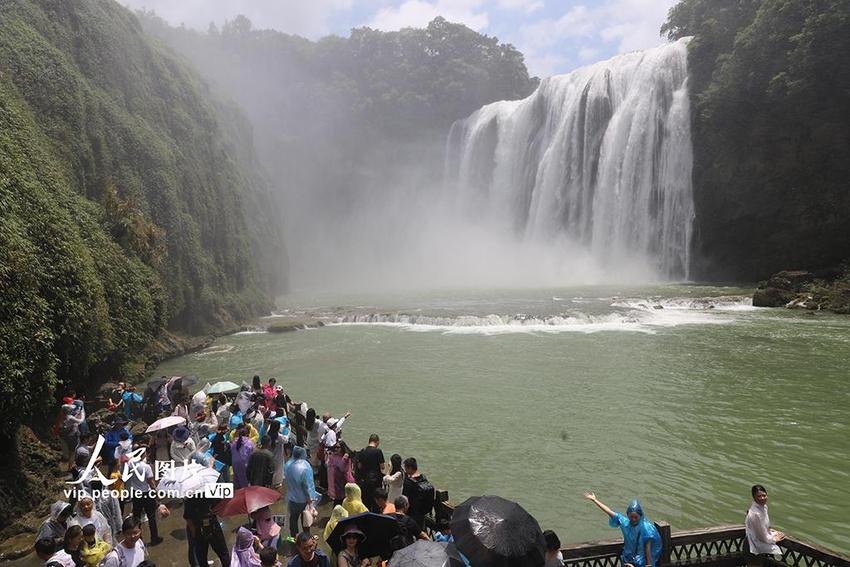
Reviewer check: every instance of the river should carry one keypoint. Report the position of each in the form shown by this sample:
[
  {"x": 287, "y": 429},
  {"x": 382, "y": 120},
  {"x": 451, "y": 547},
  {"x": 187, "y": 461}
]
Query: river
[{"x": 683, "y": 396}]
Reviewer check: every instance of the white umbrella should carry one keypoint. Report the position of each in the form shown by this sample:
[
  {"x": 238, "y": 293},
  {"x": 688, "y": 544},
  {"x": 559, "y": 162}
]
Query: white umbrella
[
  {"x": 165, "y": 423},
  {"x": 188, "y": 480},
  {"x": 220, "y": 387}
]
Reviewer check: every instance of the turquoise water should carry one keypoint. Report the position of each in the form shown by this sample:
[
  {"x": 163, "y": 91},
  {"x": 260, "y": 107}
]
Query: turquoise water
[{"x": 683, "y": 396}]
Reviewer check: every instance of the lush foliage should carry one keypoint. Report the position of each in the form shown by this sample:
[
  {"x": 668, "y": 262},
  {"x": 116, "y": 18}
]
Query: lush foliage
[
  {"x": 121, "y": 208},
  {"x": 771, "y": 92}
]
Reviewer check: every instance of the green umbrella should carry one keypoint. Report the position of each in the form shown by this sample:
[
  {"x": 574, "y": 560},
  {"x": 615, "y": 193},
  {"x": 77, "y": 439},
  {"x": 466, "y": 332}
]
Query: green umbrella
[{"x": 221, "y": 387}]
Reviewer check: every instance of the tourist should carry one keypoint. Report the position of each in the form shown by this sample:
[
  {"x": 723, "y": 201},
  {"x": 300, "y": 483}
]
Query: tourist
[
  {"x": 339, "y": 471},
  {"x": 270, "y": 395},
  {"x": 382, "y": 501},
  {"x": 240, "y": 451},
  {"x": 130, "y": 400},
  {"x": 245, "y": 550},
  {"x": 124, "y": 448},
  {"x": 444, "y": 531},
  {"x": 55, "y": 526},
  {"x": 349, "y": 556},
  {"x": 353, "y": 503},
  {"x": 300, "y": 489},
  {"x": 53, "y": 554},
  {"x": 316, "y": 429},
  {"x": 86, "y": 514},
  {"x": 308, "y": 555},
  {"x": 93, "y": 550},
  {"x": 420, "y": 493},
  {"x": 181, "y": 407},
  {"x": 182, "y": 445},
  {"x": 408, "y": 528},
  {"x": 113, "y": 438},
  {"x": 394, "y": 480},
  {"x": 72, "y": 542},
  {"x": 370, "y": 467},
  {"x": 761, "y": 538},
  {"x": 268, "y": 557},
  {"x": 220, "y": 446},
  {"x": 202, "y": 454},
  {"x": 260, "y": 468},
  {"x": 131, "y": 551},
  {"x": 553, "y": 549},
  {"x": 337, "y": 514},
  {"x": 204, "y": 531},
  {"x": 267, "y": 528},
  {"x": 70, "y": 430},
  {"x": 641, "y": 541},
  {"x": 277, "y": 445},
  {"x": 199, "y": 401},
  {"x": 334, "y": 430},
  {"x": 160, "y": 447},
  {"x": 253, "y": 434},
  {"x": 141, "y": 485},
  {"x": 109, "y": 505}
]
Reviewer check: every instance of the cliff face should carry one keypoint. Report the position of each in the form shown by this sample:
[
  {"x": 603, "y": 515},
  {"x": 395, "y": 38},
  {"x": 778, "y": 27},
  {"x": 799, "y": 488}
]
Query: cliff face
[
  {"x": 126, "y": 206},
  {"x": 771, "y": 101}
]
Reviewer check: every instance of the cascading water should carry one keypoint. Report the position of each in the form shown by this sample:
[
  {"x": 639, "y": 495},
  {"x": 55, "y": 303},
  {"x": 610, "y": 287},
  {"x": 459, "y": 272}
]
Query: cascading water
[{"x": 601, "y": 156}]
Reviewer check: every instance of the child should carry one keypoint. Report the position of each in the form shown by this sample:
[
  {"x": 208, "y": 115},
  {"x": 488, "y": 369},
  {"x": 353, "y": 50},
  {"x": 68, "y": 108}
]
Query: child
[
  {"x": 444, "y": 531},
  {"x": 268, "y": 557},
  {"x": 93, "y": 550}
]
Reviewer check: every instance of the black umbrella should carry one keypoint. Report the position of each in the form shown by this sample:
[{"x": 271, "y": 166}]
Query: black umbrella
[
  {"x": 152, "y": 389},
  {"x": 378, "y": 529},
  {"x": 493, "y": 532},
  {"x": 427, "y": 554}
]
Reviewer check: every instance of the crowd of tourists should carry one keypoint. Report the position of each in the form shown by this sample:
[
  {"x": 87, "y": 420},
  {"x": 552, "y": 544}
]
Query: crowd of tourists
[{"x": 247, "y": 437}]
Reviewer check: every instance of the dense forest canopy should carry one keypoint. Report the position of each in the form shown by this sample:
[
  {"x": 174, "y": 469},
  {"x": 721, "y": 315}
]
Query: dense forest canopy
[
  {"x": 122, "y": 205},
  {"x": 350, "y": 127},
  {"x": 770, "y": 87}
]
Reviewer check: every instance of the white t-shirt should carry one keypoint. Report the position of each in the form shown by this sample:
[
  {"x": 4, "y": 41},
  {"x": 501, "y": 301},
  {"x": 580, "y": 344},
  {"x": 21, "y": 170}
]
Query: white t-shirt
[
  {"x": 61, "y": 557},
  {"x": 143, "y": 470},
  {"x": 120, "y": 556}
]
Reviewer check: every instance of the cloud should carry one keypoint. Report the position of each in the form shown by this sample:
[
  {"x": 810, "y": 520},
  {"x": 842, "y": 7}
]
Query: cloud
[
  {"x": 309, "y": 19},
  {"x": 527, "y": 6},
  {"x": 417, "y": 13},
  {"x": 583, "y": 34}
]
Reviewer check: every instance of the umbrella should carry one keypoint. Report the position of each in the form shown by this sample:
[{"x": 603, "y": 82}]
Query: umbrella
[
  {"x": 221, "y": 387},
  {"x": 493, "y": 532},
  {"x": 165, "y": 423},
  {"x": 427, "y": 554},
  {"x": 152, "y": 389},
  {"x": 188, "y": 480},
  {"x": 378, "y": 528},
  {"x": 247, "y": 501}
]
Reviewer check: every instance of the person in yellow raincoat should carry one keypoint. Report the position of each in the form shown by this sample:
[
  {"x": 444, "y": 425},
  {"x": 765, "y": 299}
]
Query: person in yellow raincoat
[
  {"x": 93, "y": 550},
  {"x": 353, "y": 502},
  {"x": 337, "y": 514}
]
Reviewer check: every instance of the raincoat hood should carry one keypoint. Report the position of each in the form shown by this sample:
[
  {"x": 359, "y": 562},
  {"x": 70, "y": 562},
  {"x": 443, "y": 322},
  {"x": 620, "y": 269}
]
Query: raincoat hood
[
  {"x": 634, "y": 506},
  {"x": 338, "y": 513},
  {"x": 299, "y": 453},
  {"x": 352, "y": 492},
  {"x": 353, "y": 503},
  {"x": 57, "y": 508},
  {"x": 243, "y": 550}
]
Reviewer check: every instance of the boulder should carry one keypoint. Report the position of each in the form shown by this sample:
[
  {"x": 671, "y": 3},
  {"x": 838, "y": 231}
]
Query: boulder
[{"x": 782, "y": 288}]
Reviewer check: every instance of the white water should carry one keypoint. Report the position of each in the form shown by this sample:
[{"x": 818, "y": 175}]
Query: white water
[{"x": 596, "y": 163}]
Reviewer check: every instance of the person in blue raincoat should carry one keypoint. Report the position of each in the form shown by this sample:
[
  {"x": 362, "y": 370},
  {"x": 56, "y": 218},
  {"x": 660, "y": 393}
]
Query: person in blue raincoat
[
  {"x": 642, "y": 543},
  {"x": 300, "y": 489}
]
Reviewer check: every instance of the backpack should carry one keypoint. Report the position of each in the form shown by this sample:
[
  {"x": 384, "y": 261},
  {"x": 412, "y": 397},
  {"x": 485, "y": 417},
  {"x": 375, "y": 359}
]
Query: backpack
[
  {"x": 403, "y": 538},
  {"x": 424, "y": 496}
]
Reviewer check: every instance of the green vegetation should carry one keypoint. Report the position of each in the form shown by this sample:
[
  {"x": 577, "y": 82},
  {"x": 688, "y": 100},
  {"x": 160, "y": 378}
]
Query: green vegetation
[
  {"x": 832, "y": 293},
  {"x": 771, "y": 98},
  {"x": 122, "y": 207}
]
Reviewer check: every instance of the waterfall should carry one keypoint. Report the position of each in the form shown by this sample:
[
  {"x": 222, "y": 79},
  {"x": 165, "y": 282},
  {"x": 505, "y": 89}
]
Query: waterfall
[{"x": 601, "y": 157}]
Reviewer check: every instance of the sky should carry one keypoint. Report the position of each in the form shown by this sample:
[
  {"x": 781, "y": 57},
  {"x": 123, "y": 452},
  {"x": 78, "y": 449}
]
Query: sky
[{"x": 556, "y": 36}]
